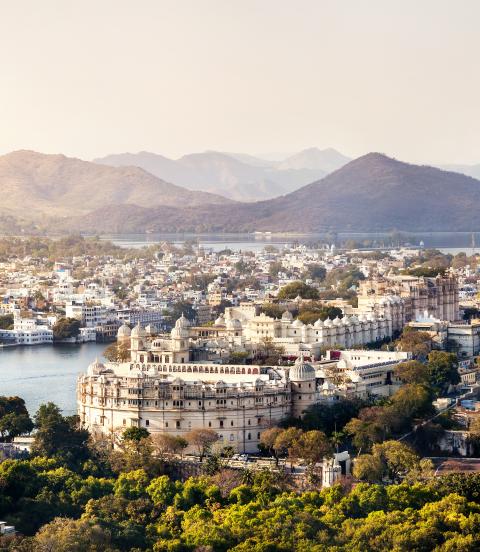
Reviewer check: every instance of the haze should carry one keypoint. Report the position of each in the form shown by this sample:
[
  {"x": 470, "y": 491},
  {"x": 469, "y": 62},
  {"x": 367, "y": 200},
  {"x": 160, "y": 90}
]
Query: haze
[{"x": 91, "y": 78}]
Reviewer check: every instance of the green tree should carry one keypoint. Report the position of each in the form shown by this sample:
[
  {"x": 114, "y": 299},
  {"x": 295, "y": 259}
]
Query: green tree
[
  {"x": 295, "y": 289},
  {"x": 443, "y": 370},
  {"x": 57, "y": 435},
  {"x": 14, "y": 418},
  {"x": 69, "y": 535},
  {"x": 66, "y": 328}
]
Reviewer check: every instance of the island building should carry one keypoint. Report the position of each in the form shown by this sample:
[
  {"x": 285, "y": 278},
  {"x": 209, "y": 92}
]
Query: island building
[{"x": 162, "y": 388}]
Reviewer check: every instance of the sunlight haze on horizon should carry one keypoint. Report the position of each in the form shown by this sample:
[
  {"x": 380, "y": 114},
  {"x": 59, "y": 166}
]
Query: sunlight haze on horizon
[{"x": 92, "y": 78}]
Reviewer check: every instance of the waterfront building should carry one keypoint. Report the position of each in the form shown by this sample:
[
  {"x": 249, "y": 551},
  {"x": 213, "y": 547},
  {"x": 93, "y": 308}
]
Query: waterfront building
[{"x": 161, "y": 389}]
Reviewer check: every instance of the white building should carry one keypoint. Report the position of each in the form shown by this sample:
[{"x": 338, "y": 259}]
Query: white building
[{"x": 161, "y": 389}]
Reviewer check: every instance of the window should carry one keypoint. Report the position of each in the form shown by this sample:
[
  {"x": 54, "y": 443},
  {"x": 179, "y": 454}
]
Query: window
[
  {"x": 249, "y": 436},
  {"x": 177, "y": 424},
  {"x": 221, "y": 423},
  {"x": 209, "y": 424},
  {"x": 147, "y": 422},
  {"x": 166, "y": 424},
  {"x": 231, "y": 423}
]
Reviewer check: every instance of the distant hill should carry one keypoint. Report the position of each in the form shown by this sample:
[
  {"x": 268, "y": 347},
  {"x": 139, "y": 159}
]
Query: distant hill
[
  {"x": 240, "y": 177},
  {"x": 38, "y": 185},
  {"x": 371, "y": 193},
  {"x": 327, "y": 160}
]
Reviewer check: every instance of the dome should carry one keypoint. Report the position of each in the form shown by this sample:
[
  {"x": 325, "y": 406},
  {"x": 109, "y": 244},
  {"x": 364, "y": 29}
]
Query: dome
[
  {"x": 287, "y": 315},
  {"x": 138, "y": 331},
  {"x": 182, "y": 322},
  {"x": 318, "y": 324},
  {"x": 337, "y": 321},
  {"x": 95, "y": 367},
  {"x": 328, "y": 323},
  {"x": 301, "y": 371},
  {"x": 346, "y": 321},
  {"x": 124, "y": 331},
  {"x": 297, "y": 324}
]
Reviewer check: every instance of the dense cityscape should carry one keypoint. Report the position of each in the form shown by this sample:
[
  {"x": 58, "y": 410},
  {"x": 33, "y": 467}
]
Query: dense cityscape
[
  {"x": 235, "y": 379},
  {"x": 239, "y": 276}
]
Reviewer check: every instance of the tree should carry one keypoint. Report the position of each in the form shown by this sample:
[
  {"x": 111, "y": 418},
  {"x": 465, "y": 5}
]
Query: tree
[
  {"x": 14, "y": 418},
  {"x": 443, "y": 370},
  {"x": 271, "y": 352},
  {"x": 390, "y": 459},
  {"x": 135, "y": 434},
  {"x": 59, "y": 436},
  {"x": 368, "y": 467},
  {"x": 295, "y": 289},
  {"x": 117, "y": 352},
  {"x": 131, "y": 485},
  {"x": 272, "y": 309},
  {"x": 412, "y": 371},
  {"x": 316, "y": 272},
  {"x": 267, "y": 440},
  {"x": 286, "y": 441},
  {"x": 162, "y": 491},
  {"x": 6, "y": 322},
  {"x": 417, "y": 343},
  {"x": 69, "y": 535},
  {"x": 202, "y": 440},
  {"x": 165, "y": 444},
  {"x": 66, "y": 328}
]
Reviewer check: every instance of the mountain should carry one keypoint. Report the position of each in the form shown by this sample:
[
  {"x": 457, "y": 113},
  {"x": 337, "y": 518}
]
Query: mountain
[
  {"x": 370, "y": 194},
  {"x": 469, "y": 170},
  {"x": 327, "y": 160},
  {"x": 35, "y": 184},
  {"x": 240, "y": 177}
]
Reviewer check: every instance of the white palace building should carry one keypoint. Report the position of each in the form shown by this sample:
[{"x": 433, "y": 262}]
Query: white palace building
[{"x": 162, "y": 389}]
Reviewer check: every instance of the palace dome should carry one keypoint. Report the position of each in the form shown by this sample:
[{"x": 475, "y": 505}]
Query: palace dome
[
  {"x": 124, "y": 331},
  {"x": 182, "y": 322},
  {"x": 138, "y": 331},
  {"x": 287, "y": 315},
  {"x": 301, "y": 371},
  {"x": 95, "y": 367}
]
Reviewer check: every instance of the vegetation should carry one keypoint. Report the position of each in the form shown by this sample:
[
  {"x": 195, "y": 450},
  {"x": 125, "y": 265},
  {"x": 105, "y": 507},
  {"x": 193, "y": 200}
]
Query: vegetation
[
  {"x": 6, "y": 322},
  {"x": 65, "y": 328},
  {"x": 75, "y": 493},
  {"x": 298, "y": 289}
]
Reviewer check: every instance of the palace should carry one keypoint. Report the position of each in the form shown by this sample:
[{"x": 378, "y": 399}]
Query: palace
[{"x": 162, "y": 389}]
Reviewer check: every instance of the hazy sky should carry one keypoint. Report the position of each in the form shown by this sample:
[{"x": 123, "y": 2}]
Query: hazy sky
[{"x": 88, "y": 78}]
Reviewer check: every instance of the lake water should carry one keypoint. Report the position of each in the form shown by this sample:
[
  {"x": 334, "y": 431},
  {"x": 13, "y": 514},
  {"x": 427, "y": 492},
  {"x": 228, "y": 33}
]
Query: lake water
[
  {"x": 448, "y": 242},
  {"x": 46, "y": 373}
]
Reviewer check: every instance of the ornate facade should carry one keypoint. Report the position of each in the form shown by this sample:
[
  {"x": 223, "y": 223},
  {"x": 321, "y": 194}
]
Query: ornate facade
[{"x": 161, "y": 389}]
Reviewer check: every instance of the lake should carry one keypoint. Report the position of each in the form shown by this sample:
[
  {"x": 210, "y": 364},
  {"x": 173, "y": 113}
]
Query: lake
[
  {"x": 448, "y": 242},
  {"x": 46, "y": 373}
]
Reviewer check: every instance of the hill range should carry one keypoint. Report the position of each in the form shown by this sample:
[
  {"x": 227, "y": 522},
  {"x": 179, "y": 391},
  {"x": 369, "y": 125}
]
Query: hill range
[
  {"x": 237, "y": 176},
  {"x": 369, "y": 194}
]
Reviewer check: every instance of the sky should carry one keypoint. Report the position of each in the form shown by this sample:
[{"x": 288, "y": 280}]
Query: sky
[{"x": 90, "y": 78}]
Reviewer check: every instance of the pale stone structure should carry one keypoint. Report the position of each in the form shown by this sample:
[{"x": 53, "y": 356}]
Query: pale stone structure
[{"x": 160, "y": 388}]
